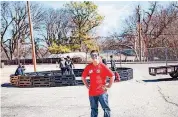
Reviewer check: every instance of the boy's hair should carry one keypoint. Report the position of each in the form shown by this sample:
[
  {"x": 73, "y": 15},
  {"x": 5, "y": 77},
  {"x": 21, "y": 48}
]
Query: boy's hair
[
  {"x": 111, "y": 56},
  {"x": 93, "y": 51}
]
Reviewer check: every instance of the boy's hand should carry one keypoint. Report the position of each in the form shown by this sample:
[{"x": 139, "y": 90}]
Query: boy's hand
[
  {"x": 88, "y": 87},
  {"x": 105, "y": 88}
]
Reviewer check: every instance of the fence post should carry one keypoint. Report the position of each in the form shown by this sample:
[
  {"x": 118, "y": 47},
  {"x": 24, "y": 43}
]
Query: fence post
[
  {"x": 107, "y": 56},
  {"x": 120, "y": 57}
]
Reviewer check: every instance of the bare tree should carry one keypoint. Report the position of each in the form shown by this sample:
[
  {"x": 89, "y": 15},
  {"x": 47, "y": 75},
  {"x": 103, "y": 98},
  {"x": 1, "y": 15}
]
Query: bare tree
[
  {"x": 6, "y": 21},
  {"x": 56, "y": 26},
  {"x": 158, "y": 28},
  {"x": 15, "y": 26}
]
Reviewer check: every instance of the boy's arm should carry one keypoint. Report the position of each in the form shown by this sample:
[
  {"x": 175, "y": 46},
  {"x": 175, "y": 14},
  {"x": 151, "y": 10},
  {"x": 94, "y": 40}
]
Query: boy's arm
[
  {"x": 85, "y": 82},
  {"x": 84, "y": 75},
  {"x": 110, "y": 82},
  {"x": 110, "y": 74},
  {"x": 22, "y": 71},
  {"x": 60, "y": 64},
  {"x": 73, "y": 64}
]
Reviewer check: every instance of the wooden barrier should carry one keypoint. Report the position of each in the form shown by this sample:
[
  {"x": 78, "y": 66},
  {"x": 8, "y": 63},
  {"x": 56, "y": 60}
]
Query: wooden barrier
[
  {"x": 125, "y": 73},
  {"x": 24, "y": 81},
  {"x": 54, "y": 78},
  {"x": 14, "y": 80}
]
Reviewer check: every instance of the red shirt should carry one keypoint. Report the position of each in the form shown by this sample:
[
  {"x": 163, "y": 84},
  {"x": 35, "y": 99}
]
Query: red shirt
[{"x": 97, "y": 76}]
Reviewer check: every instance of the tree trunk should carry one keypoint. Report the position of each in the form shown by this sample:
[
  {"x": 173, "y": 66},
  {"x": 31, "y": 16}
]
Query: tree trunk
[
  {"x": 5, "y": 51},
  {"x": 86, "y": 55}
]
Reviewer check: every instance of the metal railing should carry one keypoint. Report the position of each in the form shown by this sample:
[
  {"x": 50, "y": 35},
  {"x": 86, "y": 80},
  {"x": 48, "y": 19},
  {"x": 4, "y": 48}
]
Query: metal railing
[{"x": 159, "y": 54}]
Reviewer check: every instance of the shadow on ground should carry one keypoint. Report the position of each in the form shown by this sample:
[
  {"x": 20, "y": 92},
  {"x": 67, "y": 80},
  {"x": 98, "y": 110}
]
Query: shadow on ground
[
  {"x": 8, "y": 85},
  {"x": 162, "y": 79}
]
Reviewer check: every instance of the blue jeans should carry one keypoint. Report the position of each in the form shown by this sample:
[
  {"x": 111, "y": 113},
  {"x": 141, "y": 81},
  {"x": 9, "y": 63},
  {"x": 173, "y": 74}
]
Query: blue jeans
[{"x": 103, "y": 99}]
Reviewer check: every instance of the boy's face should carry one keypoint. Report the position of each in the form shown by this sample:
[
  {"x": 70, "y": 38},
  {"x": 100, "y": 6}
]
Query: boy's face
[{"x": 94, "y": 56}]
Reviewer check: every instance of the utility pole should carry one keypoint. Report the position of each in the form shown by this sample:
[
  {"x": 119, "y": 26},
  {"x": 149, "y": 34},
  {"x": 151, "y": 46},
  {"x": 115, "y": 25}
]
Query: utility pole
[
  {"x": 18, "y": 56},
  {"x": 139, "y": 33},
  {"x": 31, "y": 36}
]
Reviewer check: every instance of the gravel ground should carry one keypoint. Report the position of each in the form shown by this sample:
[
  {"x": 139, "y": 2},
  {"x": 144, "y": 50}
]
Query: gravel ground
[{"x": 144, "y": 96}]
